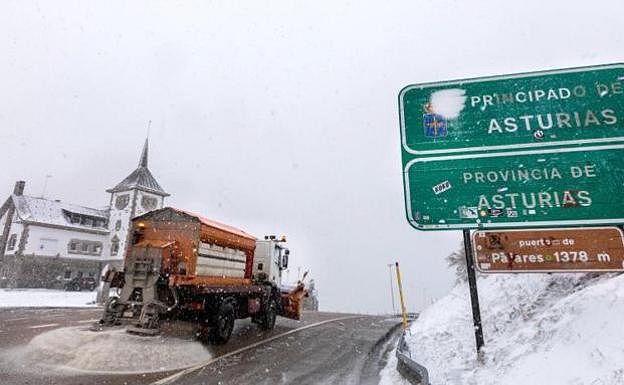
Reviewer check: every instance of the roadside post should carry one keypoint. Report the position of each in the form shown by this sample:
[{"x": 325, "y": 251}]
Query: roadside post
[
  {"x": 529, "y": 151},
  {"x": 403, "y": 310},
  {"x": 474, "y": 294}
]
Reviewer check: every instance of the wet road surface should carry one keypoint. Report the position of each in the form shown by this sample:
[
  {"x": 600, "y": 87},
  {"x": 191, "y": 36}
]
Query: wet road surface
[{"x": 322, "y": 348}]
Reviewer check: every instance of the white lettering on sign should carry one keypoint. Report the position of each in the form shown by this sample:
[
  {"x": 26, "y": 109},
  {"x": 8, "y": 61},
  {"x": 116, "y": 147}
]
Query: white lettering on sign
[
  {"x": 549, "y": 121},
  {"x": 545, "y": 242},
  {"x": 511, "y": 175},
  {"x": 532, "y": 200},
  {"x": 609, "y": 89},
  {"x": 527, "y": 174},
  {"x": 441, "y": 187},
  {"x": 535, "y": 96}
]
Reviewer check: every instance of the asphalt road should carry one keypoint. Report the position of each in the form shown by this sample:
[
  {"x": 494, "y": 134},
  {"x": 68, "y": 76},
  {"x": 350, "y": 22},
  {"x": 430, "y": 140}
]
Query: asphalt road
[{"x": 323, "y": 348}]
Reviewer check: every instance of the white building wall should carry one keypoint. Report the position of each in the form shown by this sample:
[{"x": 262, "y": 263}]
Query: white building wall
[
  {"x": 3, "y": 221},
  {"x": 138, "y": 204},
  {"x": 50, "y": 242},
  {"x": 119, "y": 221}
]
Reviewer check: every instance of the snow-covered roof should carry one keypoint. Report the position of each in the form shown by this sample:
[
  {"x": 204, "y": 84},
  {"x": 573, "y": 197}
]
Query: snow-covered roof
[
  {"x": 141, "y": 178},
  {"x": 218, "y": 225},
  {"x": 56, "y": 213}
]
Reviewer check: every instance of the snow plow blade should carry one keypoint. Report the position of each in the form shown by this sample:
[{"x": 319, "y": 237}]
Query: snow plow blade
[{"x": 292, "y": 302}]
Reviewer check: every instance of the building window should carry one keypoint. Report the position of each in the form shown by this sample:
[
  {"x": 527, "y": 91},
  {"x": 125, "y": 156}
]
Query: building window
[
  {"x": 84, "y": 220},
  {"x": 67, "y": 274},
  {"x": 12, "y": 242},
  {"x": 149, "y": 203},
  {"x": 122, "y": 201},
  {"x": 118, "y": 225},
  {"x": 78, "y": 246},
  {"x": 115, "y": 246}
]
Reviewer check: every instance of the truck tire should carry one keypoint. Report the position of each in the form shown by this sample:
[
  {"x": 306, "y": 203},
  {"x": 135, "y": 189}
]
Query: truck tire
[
  {"x": 267, "y": 320},
  {"x": 223, "y": 324},
  {"x": 113, "y": 311}
]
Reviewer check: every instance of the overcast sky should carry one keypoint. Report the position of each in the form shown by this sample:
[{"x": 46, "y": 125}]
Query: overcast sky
[{"x": 276, "y": 117}]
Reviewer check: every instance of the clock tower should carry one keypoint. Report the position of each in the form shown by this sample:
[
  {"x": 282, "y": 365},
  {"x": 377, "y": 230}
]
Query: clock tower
[{"x": 137, "y": 194}]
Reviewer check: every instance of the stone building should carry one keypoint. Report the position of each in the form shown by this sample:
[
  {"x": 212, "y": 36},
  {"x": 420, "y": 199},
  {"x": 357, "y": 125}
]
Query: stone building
[{"x": 45, "y": 243}]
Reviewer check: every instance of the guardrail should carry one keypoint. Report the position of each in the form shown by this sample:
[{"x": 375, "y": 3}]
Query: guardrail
[{"x": 410, "y": 369}]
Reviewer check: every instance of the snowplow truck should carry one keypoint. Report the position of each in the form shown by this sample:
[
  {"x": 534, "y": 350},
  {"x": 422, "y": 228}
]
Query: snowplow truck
[{"x": 182, "y": 265}]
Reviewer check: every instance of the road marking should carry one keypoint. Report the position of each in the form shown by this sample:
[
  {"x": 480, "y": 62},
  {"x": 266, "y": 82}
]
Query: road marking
[
  {"x": 42, "y": 326},
  {"x": 87, "y": 321},
  {"x": 173, "y": 377},
  {"x": 17, "y": 319}
]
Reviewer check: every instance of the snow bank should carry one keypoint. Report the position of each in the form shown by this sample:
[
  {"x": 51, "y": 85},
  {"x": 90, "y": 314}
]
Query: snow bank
[
  {"x": 538, "y": 328},
  {"x": 46, "y": 298},
  {"x": 112, "y": 351}
]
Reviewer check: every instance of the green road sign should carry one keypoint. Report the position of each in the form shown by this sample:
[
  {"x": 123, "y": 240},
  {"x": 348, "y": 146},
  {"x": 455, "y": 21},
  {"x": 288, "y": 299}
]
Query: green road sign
[
  {"x": 512, "y": 189},
  {"x": 580, "y": 106}
]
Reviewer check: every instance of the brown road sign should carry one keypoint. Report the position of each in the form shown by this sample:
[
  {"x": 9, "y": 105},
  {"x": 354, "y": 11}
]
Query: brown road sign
[{"x": 549, "y": 250}]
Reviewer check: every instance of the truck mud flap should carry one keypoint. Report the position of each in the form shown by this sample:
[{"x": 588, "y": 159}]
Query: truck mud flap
[{"x": 292, "y": 302}]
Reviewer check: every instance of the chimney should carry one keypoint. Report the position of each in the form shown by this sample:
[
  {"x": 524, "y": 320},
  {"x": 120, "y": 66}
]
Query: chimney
[{"x": 19, "y": 188}]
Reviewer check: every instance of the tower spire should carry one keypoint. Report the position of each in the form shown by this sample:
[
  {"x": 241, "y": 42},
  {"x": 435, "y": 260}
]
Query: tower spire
[{"x": 143, "y": 160}]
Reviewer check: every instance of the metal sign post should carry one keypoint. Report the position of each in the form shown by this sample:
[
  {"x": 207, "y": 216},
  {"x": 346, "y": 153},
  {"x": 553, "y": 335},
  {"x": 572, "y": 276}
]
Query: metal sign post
[{"x": 474, "y": 295}]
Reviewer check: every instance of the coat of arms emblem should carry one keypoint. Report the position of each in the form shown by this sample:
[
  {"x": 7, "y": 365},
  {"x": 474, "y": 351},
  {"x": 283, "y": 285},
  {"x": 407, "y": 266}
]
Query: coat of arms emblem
[{"x": 435, "y": 125}]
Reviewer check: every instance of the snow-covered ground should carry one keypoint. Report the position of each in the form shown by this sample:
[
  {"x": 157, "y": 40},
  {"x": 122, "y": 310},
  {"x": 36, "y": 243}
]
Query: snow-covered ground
[
  {"x": 77, "y": 349},
  {"x": 539, "y": 329},
  {"x": 46, "y": 298}
]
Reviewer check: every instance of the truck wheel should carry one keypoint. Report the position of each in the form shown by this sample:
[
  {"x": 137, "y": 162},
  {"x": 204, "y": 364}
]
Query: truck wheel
[
  {"x": 267, "y": 320},
  {"x": 223, "y": 324},
  {"x": 113, "y": 311}
]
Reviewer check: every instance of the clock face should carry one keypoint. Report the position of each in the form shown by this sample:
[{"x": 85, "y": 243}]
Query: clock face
[
  {"x": 122, "y": 201},
  {"x": 149, "y": 203}
]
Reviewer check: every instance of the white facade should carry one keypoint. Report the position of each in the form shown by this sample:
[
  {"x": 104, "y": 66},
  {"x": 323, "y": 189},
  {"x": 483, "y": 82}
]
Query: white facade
[{"x": 126, "y": 205}]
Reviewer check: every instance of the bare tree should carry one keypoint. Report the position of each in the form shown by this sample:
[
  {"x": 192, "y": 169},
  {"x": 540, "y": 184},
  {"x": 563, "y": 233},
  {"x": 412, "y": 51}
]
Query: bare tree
[{"x": 457, "y": 260}]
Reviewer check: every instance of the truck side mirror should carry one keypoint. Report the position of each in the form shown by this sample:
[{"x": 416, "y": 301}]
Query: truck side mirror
[{"x": 284, "y": 261}]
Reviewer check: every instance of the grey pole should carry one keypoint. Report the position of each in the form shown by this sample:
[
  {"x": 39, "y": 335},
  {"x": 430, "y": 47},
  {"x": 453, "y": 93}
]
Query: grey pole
[
  {"x": 474, "y": 295},
  {"x": 391, "y": 288}
]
